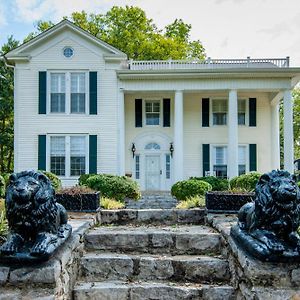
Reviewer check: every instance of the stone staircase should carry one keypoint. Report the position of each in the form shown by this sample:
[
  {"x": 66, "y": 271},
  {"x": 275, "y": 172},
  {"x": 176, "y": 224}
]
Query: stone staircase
[{"x": 128, "y": 258}]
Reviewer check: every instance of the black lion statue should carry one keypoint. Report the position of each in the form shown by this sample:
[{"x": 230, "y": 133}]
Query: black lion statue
[
  {"x": 38, "y": 225},
  {"x": 267, "y": 228}
]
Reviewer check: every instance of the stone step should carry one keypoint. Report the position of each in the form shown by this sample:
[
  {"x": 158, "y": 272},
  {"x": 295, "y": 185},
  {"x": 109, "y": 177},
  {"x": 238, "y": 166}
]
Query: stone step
[
  {"x": 184, "y": 239},
  {"x": 111, "y": 266},
  {"x": 152, "y": 216},
  {"x": 151, "y": 291}
]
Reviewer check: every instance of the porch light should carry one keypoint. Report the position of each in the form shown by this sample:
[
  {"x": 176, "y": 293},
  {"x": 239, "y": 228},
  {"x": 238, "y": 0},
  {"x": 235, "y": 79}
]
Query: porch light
[
  {"x": 133, "y": 149},
  {"x": 171, "y": 149}
]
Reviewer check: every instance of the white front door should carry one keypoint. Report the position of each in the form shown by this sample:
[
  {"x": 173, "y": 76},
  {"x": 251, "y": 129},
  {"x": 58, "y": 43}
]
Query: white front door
[{"x": 152, "y": 174}]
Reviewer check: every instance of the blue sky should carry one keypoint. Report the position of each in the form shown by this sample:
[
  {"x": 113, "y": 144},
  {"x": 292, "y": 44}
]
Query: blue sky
[{"x": 227, "y": 28}]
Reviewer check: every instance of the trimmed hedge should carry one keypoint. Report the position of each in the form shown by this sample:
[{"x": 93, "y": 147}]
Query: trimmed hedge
[
  {"x": 185, "y": 189},
  {"x": 217, "y": 184},
  {"x": 113, "y": 186},
  {"x": 83, "y": 178},
  {"x": 245, "y": 182},
  {"x": 55, "y": 181}
]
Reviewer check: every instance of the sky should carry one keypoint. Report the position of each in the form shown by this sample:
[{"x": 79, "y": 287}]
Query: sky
[{"x": 227, "y": 28}]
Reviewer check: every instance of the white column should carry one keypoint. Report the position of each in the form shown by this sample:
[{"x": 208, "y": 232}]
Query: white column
[
  {"x": 121, "y": 152},
  {"x": 288, "y": 134},
  {"x": 232, "y": 153},
  {"x": 275, "y": 146},
  {"x": 178, "y": 137}
]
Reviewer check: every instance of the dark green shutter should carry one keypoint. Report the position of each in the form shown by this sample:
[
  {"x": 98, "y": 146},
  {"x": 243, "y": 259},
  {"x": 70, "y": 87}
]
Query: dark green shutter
[
  {"x": 167, "y": 112},
  {"x": 206, "y": 159},
  {"x": 42, "y": 152},
  {"x": 42, "y": 92},
  {"x": 253, "y": 157},
  {"x": 93, "y": 154},
  {"x": 205, "y": 112},
  {"x": 252, "y": 112},
  {"x": 93, "y": 93},
  {"x": 138, "y": 113}
]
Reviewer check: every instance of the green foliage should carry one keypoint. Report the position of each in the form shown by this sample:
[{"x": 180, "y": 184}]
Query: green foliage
[
  {"x": 3, "y": 222},
  {"x": 218, "y": 184},
  {"x": 185, "y": 189},
  {"x": 83, "y": 178},
  {"x": 55, "y": 181},
  {"x": 116, "y": 187},
  {"x": 245, "y": 182},
  {"x": 2, "y": 187},
  {"x": 129, "y": 30},
  {"x": 108, "y": 203},
  {"x": 196, "y": 201}
]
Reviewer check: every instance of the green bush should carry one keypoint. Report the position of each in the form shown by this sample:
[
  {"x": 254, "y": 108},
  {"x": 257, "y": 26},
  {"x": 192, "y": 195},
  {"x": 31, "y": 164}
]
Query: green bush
[
  {"x": 55, "y": 181},
  {"x": 83, "y": 178},
  {"x": 217, "y": 184},
  {"x": 116, "y": 187},
  {"x": 182, "y": 190},
  {"x": 245, "y": 182},
  {"x": 2, "y": 187},
  {"x": 196, "y": 201}
]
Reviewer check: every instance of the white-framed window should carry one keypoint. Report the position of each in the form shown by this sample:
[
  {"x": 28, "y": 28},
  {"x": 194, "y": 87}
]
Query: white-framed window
[
  {"x": 219, "y": 111},
  {"x": 241, "y": 112},
  {"x": 68, "y": 52},
  {"x": 68, "y": 155},
  {"x": 242, "y": 160},
  {"x": 152, "y": 112},
  {"x": 68, "y": 92},
  {"x": 137, "y": 166},
  {"x": 168, "y": 166},
  {"x": 220, "y": 161}
]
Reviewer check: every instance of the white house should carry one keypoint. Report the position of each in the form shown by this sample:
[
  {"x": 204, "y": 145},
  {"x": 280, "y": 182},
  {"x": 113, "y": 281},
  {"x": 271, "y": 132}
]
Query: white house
[{"x": 82, "y": 107}]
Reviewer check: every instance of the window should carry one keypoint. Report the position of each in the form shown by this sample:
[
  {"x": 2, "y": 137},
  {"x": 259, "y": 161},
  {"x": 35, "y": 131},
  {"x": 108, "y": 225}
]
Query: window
[
  {"x": 68, "y": 92},
  {"x": 68, "y": 155},
  {"x": 152, "y": 146},
  {"x": 58, "y": 93},
  {"x": 137, "y": 167},
  {"x": 242, "y": 160},
  {"x": 168, "y": 166},
  {"x": 68, "y": 52},
  {"x": 219, "y": 110},
  {"x": 220, "y": 161},
  {"x": 241, "y": 111},
  {"x": 152, "y": 109}
]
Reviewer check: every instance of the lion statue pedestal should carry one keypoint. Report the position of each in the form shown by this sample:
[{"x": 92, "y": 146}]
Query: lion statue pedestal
[
  {"x": 267, "y": 228},
  {"x": 37, "y": 224}
]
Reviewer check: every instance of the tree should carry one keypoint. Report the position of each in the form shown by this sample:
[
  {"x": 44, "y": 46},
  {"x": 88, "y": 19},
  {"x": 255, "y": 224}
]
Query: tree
[
  {"x": 7, "y": 110},
  {"x": 129, "y": 30}
]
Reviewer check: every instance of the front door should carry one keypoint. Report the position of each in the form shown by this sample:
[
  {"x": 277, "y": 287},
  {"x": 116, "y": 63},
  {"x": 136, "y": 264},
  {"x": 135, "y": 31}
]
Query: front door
[{"x": 152, "y": 174}]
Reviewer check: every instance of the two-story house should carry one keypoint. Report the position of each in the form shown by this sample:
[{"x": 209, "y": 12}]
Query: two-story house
[{"x": 82, "y": 107}]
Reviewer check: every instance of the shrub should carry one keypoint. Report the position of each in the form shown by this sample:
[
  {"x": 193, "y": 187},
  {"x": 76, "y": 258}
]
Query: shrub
[
  {"x": 197, "y": 201},
  {"x": 6, "y": 178},
  {"x": 108, "y": 203},
  {"x": 217, "y": 184},
  {"x": 2, "y": 187},
  {"x": 83, "y": 178},
  {"x": 116, "y": 187},
  {"x": 245, "y": 182},
  {"x": 55, "y": 181},
  {"x": 182, "y": 190},
  {"x": 3, "y": 222}
]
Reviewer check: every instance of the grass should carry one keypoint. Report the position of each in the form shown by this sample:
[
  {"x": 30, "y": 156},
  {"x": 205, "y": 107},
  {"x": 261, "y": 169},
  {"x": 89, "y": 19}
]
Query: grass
[
  {"x": 108, "y": 203},
  {"x": 196, "y": 201}
]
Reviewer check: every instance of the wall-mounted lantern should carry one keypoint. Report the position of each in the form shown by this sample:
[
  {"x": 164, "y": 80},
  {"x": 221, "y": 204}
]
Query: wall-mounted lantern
[
  {"x": 171, "y": 149},
  {"x": 133, "y": 149}
]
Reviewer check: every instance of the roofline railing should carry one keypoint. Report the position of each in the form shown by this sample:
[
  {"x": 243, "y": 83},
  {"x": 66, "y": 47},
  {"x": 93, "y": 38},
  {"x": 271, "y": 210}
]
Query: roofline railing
[{"x": 209, "y": 63}]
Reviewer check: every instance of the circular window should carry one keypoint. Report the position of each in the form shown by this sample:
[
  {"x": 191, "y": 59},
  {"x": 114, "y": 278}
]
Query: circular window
[{"x": 68, "y": 52}]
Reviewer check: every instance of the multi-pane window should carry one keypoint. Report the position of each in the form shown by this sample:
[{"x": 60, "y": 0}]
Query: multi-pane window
[
  {"x": 152, "y": 111},
  {"x": 219, "y": 110},
  {"x": 152, "y": 146},
  {"x": 220, "y": 161},
  {"x": 58, "y": 93},
  {"x": 137, "y": 167},
  {"x": 241, "y": 111},
  {"x": 242, "y": 160},
  {"x": 168, "y": 166},
  {"x": 77, "y": 155},
  {"x": 58, "y": 155},
  {"x": 78, "y": 92}
]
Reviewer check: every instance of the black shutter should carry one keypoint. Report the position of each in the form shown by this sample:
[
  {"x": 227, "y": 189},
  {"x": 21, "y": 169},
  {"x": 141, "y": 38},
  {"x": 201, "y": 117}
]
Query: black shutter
[
  {"x": 138, "y": 113},
  {"x": 252, "y": 112},
  {"x": 93, "y": 154},
  {"x": 167, "y": 112},
  {"x": 253, "y": 157},
  {"x": 205, "y": 112},
  {"x": 206, "y": 158},
  {"x": 42, "y": 92},
  {"x": 93, "y": 93},
  {"x": 42, "y": 152}
]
